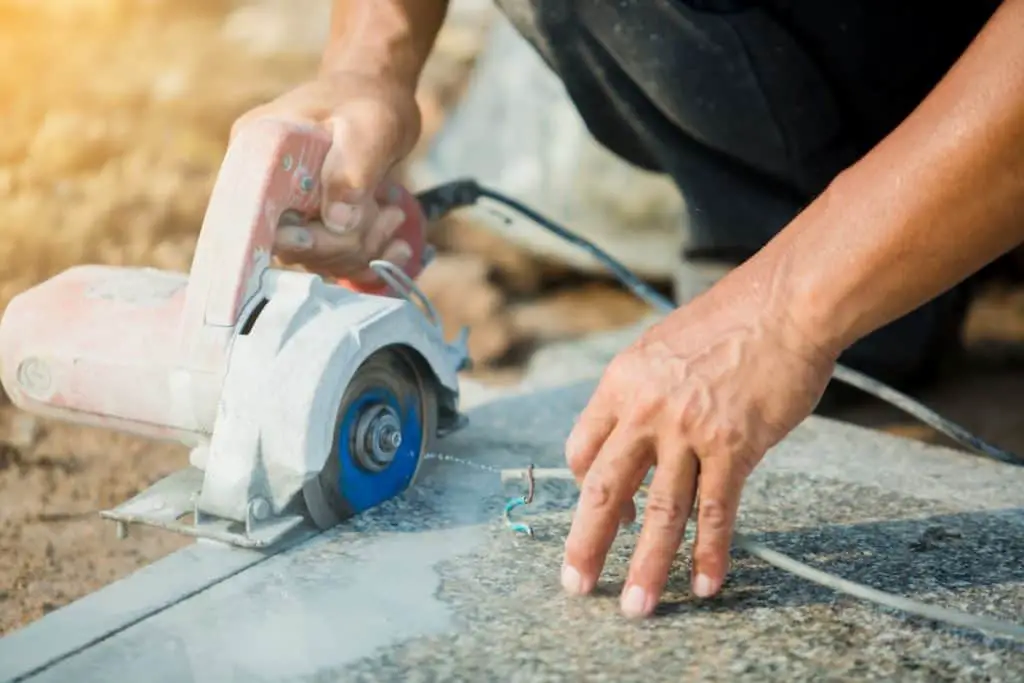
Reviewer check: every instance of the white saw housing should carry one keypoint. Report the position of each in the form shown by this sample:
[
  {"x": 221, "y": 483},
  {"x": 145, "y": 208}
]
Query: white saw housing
[
  {"x": 285, "y": 379},
  {"x": 287, "y": 369},
  {"x": 246, "y": 364}
]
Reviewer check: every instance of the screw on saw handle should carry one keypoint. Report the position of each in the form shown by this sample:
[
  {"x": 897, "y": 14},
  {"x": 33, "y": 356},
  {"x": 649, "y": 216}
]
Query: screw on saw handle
[{"x": 271, "y": 169}]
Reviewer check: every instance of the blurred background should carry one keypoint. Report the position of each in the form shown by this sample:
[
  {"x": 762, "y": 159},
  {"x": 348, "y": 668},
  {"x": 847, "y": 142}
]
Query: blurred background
[{"x": 115, "y": 116}]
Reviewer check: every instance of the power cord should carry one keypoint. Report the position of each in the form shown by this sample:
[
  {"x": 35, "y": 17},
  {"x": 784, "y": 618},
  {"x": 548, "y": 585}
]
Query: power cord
[{"x": 443, "y": 199}]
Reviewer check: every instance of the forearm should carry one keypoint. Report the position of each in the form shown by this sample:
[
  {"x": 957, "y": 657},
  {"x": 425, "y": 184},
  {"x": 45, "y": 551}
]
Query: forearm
[
  {"x": 938, "y": 199},
  {"x": 383, "y": 38}
]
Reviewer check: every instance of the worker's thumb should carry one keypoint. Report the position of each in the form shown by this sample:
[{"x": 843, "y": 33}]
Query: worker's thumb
[{"x": 363, "y": 150}]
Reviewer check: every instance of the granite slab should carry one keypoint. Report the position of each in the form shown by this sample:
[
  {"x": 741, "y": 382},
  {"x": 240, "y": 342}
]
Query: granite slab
[{"x": 434, "y": 587}]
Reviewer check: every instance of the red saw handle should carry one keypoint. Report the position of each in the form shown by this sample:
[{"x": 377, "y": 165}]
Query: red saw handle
[{"x": 271, "y": 168}]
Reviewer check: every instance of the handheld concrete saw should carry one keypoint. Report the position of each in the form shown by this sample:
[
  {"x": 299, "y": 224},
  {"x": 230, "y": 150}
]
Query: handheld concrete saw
[{"x": 300, "y": 398}]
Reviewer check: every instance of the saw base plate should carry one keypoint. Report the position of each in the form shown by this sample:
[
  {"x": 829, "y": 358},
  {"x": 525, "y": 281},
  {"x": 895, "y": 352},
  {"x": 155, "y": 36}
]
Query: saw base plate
[{"x": 169, "y": 500}]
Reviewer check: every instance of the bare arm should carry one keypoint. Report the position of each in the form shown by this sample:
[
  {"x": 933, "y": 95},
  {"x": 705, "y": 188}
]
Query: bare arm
[
  {"x": 706, "y": 392},
  {"x": 364, "y": 96},
  {"x": 383, "y": 38},
  {"x": 938, "y": 199}
]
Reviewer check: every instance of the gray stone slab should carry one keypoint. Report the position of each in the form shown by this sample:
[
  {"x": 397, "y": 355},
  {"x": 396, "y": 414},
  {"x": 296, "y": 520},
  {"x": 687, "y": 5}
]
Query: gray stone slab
[
  {"x": 433, "y": 586},
  {"x": 95, "y": 617}
]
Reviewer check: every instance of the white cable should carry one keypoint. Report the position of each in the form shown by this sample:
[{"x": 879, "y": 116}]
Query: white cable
[
  {"x": 861, "y": 592},
  {"x": 831, "y": 581}
]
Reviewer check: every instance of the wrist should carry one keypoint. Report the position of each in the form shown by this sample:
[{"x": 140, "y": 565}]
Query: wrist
[
  {"x": 810, "y": 289},
  {"x": 387, "y": 40},
  {"x": 386, "y": 65},
  {"x": 760, "y": 292},
  {"x": 823, "y": 269}
]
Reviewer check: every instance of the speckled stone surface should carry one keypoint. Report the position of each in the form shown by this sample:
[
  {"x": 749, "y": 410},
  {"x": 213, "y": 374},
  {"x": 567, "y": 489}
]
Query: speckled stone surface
[{"x": 434, "y": 587}]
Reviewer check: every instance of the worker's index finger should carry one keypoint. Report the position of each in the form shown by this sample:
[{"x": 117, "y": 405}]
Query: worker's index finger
[
  {"x": 585, "y": 442},
  {"x": 666, "y": 512},
  {"x": 615, "y": 475},
  {"x": 358, "y": 161},
  {"x": 592, "y": 428}
]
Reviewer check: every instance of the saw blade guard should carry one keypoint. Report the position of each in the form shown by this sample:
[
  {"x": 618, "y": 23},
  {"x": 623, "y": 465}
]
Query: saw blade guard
[{"x": 277, "y": 428}]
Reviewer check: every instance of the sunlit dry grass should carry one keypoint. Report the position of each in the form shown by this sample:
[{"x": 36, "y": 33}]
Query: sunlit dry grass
[{"x": 115, "y": 121}]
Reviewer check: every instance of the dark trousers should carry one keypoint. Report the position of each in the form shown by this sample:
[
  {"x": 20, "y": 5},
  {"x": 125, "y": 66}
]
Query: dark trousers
[{"x": 754, "y": 107}]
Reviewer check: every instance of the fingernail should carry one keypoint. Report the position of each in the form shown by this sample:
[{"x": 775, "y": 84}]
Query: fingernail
[
  {"x": 572, "y": 582},
  {"x": 634, "y": 602},
  {"x": 703, "y": 586},
  {"x": 294, "y": 237},
  {"x": 389, "y": 220},
  {"x": 341, "y": 217},
  {"x": 398, "y": 252}
]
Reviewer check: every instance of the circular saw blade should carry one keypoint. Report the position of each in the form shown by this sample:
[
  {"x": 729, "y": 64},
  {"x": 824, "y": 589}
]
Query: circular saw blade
[{"x": 388, "y": 388}]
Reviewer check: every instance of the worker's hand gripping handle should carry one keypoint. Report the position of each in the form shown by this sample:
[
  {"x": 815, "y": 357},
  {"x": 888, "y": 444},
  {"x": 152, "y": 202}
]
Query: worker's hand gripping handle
[{"x": 271, "y": 173}]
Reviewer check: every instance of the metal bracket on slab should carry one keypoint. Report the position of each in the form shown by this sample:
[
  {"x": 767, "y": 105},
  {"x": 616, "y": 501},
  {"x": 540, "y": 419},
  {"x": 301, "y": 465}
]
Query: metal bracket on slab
[{"x": 165, "y": 503}]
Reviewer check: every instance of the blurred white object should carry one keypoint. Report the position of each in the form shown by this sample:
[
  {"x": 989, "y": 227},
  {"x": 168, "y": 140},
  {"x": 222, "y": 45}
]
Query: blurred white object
[{"x": 516, "y": 130}]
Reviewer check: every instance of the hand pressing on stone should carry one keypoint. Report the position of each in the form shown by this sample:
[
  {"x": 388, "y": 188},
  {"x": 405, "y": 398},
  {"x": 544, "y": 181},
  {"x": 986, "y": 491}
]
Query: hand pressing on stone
[
  {"x": 700, "y": 397},
  {"x": 703, "y": 395}
]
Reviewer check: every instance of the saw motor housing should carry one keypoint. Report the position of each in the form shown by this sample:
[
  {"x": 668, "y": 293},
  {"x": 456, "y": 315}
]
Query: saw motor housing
[{"x": 246, "y": 364}]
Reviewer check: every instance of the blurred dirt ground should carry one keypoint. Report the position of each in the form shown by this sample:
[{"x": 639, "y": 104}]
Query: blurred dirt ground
[{"x": 115, "y": 116}]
